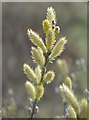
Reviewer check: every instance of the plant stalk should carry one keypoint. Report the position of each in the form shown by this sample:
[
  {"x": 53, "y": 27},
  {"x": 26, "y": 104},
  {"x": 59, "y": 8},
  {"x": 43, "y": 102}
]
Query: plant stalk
[{"x": 43, "y": 72}]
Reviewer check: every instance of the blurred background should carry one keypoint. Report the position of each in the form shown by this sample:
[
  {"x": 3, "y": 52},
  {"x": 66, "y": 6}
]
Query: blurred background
[{"x": 16, "y": 19}]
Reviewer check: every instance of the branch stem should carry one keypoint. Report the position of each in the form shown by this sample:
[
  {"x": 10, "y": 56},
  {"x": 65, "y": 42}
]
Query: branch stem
[{"x": 42, "y": 75}]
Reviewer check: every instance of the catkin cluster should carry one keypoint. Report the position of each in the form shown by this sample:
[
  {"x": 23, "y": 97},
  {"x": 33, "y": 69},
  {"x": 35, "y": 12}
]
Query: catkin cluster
[
  {"x": 75, "y": 108},
  {"x": 42, "y": 53}
]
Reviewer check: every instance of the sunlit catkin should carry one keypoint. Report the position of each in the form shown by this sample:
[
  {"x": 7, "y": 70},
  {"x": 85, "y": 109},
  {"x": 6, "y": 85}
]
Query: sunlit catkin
[
  {"x": 48, "y": 77},
  {"x": 29, "y": 73},
  {"x": 46, "y": 25},
  {"x": 38, "y": 74},
  {"x": 39, "y": 92},
  {"x": 36, "y": 39},
  {"x": 58, "y": 48},
  {"x": 51, "y": 15},
  {"x": 71, "y": 112},
  {"x": 37, "y": 55},
  {"x": 30, "y": 89}
]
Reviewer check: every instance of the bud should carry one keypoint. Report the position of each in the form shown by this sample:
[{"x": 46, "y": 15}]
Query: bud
[
  {"x": 57, "y": 30},
  {"x": 39, "y": 92},
  {"x": 37, "y": 55},
  {"x": 70, "y": 112},
  {"x": 58, "y": 48},
  {"x": 36, "y": 39},
  {"x": 70, "y": 97},
  {"x": 51, "y": 15},
  {"x": 38, "y": 74},
  {"x": 46, "y": 25},
  {"x": 68, "y": 82},
  {"x": 30, "y": 89},
  {"x": 29, "y": 73},
  {"x": 48, "y": 77},
  {"x": 83, "y": 109}
]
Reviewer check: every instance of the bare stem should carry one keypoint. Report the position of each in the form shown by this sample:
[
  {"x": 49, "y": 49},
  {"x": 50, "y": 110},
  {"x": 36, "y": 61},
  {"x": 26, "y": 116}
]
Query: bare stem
[{"x": 33, "y": 109}]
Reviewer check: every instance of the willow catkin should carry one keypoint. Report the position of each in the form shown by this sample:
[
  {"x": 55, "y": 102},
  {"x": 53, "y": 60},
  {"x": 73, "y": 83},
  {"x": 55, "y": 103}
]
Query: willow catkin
[
  {"x": 30, "y": 89},
  {"x": 48, "y": 77},
  {"x": 70, "y": 97},
  {"x": 36, "y": 39},
  {"x": 38, "y": 56},
  {"x": 71, "y": 112},
  {"x": 58, "y": 48},
  {"x": 29, "y": 72}
]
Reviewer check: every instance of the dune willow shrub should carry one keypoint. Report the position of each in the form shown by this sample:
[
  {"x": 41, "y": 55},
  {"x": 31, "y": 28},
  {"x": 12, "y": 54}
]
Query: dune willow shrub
[{"x": 43, "y": 53}]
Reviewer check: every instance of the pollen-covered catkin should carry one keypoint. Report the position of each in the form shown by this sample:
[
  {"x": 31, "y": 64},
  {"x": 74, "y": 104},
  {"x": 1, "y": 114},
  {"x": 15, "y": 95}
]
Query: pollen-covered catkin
[
  {"x": 37, "y": 55},
  {"x": 70, "y": 97},
  {"x": 29, "y": 73},
  {"x": 46, "y": 25},
  {"x": 71, "y": 112},
  {"x": 39, "y": 92},
  {"x": 68, "y": 82},
  {"x": 50, "y": 38},
  {"x": 48, "y": 77},
  {"x": 30, "y": 89},
  {"x": 58, "y": 48},
  {"x": 36, "y": 39}
]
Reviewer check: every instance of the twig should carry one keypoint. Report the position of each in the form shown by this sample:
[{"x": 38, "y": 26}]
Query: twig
[{"x": 43, "y": 72}]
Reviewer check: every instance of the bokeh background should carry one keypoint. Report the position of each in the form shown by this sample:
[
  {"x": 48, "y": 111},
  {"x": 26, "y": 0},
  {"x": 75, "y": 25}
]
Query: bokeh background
[{"x": 16, "y": 19}]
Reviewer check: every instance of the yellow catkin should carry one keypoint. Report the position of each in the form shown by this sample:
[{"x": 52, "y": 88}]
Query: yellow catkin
[
  {"x": 68, "y": 82},
  {"x": 71, "y": 112},
  {"x": 48, "y": 77},
  {"x": 50, "y": 39},
  {"x": 58, "y": 48},
  {"x": 46, "y": 25},
  {"x": 29, "y": 73},
  {"x": 83, "y": 109},
  {"x": 38, "y": 56},
  {"x": 51, "y": 15},
  {"x": 30, "y": 89},
  {"x": 38, "y": 74},
  {"x": 39, "y": 92},
  {"x": 70, "y": 97},
  {"x": 36, "y": 39}
]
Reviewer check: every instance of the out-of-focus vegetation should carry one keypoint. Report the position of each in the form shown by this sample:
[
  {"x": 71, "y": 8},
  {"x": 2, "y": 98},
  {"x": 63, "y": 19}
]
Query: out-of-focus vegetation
[{"x": 17, "y": 18}]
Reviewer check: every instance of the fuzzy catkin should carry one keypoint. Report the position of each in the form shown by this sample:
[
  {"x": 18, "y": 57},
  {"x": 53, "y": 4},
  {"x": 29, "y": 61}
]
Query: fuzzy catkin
[
  {"x": 39, "y": 92},
  {"x": 29, "y": 73},
  {"x": 46, "y": 25},
  {"x": 71, "y": 112},
  {"x": 58, "y": 48},
  {"x": 51, "y": 15},
  {"x": 36, "y": 39},
  {"x": 38, "y": 74},
  {"x": 70, "y": 97},
  {"x": 68, "y": 82},
  {"x": 50, "y": 39},
  {"x": 48, "y": 77},
  {"x": 30, "y": 89},
  {"x": 37, "y": 55}
]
